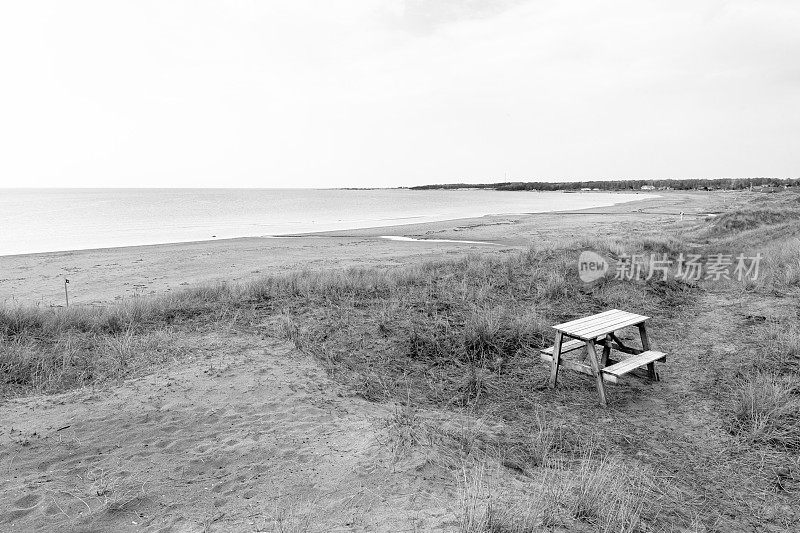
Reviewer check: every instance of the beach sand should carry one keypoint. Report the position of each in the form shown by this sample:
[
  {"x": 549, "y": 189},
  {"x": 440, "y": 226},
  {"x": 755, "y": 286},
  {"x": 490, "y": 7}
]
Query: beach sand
[
  {"x": 104, "y": 275},
  {"x": 245, "y": 436}
]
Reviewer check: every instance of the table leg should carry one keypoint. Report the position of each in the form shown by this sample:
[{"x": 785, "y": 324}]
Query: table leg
[
  {"x": 556, "y": 359},
  {"x": 651, "y": 367},
  {"x": 606, "y": 352},
  {"x": 598, "y": 376}
]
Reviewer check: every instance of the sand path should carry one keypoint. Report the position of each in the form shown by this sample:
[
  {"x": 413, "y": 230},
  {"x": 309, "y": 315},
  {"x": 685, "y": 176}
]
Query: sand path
[{"x": 247, "y": 433}]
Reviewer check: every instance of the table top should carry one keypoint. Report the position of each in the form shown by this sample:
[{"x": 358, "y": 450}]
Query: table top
[{"x": 591, "y": 327}]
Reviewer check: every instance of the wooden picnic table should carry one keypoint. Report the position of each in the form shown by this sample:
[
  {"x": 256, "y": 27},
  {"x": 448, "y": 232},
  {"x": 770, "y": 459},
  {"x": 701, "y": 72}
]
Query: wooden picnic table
[{"x": 600, "y": 329}]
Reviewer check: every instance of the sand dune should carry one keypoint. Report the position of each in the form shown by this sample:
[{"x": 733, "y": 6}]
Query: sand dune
[{"x": 249, "y": 433}]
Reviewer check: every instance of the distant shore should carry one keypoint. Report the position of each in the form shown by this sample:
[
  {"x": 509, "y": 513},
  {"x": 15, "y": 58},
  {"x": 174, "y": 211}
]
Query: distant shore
[{"x": 105, "y": 275}]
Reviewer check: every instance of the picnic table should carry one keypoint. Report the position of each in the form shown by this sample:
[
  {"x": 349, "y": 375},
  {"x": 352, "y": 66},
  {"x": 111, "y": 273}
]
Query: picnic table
[{"x": 601, "y": 329}]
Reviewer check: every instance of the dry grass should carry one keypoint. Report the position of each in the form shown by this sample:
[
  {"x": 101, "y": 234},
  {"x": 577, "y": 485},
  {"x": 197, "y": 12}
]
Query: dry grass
[
  {"x": 543, "y": 442},
  {"x": 406, "y": 430},
  {"x": 753, "y": 217},
  {"x": 781, "y": 268},
  {"x": 779, "y": 347},
  {"x": 765, "y": 405},
  {"x": 763, "y": 401},
  {"x": 113, "y": 491},
  {"x": 604, "y": 491},
  {"x": 601, "y": 492},
  {"x": 576, "y": 485},
  {"x": 767, "y": 409},
  {"x": 74, "y": 359}
]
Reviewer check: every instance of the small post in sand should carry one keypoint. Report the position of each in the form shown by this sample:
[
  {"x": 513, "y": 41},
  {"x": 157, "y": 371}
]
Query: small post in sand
[{"x": 66, "y": 293}]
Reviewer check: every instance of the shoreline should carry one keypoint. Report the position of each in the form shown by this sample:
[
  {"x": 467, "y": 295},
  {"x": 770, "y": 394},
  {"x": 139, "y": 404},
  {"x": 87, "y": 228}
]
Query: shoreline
[
  {"x": 375, "y": 225},
  {"x": 103, "y": 275}
]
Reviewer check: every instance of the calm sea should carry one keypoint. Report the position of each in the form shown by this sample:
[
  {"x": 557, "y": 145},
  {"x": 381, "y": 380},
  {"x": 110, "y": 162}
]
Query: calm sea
[{"x": 45, "y": 220}]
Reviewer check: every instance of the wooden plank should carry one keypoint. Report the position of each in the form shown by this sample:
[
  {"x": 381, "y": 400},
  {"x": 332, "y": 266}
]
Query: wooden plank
[
  {"x": 594, "y": 320},
  {"x": 565, "y": 347},
  {"x": 606, "y": 352},
  {"x": 598, "y": 376},
  {"x": 608, "y": 316},
  {"x": 587, "y": 319},
  {"x": 651, "y": 367},
  {"x": 626, "y": 365},
  {"x": 578, "y": 367},
  {"x": 569, "y": 346},
  {"x": 556, "y": 359},
  {"x": 598, "y": 319},
  {"x": 605, "y": 322},
  {"x": 640, "y": 372},
  {"x": 609, "y": 327},
  {"x": 643, "y": 335},
  {"x": 631, "y": 363}
]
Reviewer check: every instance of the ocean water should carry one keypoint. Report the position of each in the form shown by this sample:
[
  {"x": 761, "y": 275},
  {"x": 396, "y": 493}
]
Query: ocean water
[{"x": 47, "y": 220}]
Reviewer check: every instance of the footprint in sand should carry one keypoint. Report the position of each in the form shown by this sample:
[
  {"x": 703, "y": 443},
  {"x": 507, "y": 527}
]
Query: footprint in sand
[
  {"x": 172, "y": 428},
  {"x": 27, "y": 502},
  {"x": 220, "y": 502},
  {"x": 23, "y": 507},
  {"x": 219, "y": 487}
]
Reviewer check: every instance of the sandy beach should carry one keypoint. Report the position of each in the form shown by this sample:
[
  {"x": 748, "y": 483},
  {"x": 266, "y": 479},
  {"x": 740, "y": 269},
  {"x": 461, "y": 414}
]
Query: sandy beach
[{"x": 112, "y": 274}]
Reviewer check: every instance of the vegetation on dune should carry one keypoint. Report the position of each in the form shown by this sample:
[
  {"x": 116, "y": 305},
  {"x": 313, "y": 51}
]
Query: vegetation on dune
[
  {"x": 463, "y": 335},
  {"x": 754, "y": 217},
  {"x": 763, "y": 399},
  {"x": 781, "y": 271},
  {"x": 766, "y": 394},
  {"x": 767, "y": 409},
  {"x": 481, "y": 311},
  {"x": 599, "y": 492}
]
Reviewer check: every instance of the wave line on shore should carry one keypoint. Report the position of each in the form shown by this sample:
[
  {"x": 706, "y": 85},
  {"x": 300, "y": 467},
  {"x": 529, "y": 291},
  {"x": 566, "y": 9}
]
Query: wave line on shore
[{"x": 412, "y": 239}]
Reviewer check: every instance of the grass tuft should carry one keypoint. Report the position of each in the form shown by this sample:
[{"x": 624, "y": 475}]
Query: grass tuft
[
  {"x": 767, "y": 410},
  {"x": 602, "y": 493}
]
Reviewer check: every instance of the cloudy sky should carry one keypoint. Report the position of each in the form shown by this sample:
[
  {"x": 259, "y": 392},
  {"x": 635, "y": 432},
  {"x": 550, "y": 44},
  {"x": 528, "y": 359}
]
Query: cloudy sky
[{"x": 300, "y": 93}]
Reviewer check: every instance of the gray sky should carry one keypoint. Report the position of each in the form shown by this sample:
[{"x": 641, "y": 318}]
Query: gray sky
[{"x": 386, "y": 93}]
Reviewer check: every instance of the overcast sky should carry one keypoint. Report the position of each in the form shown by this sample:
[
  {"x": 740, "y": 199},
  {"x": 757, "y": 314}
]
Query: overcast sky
[{"x": 362, "y": 93}]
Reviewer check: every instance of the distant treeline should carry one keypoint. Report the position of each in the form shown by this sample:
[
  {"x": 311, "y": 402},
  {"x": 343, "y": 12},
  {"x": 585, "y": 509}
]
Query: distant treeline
[{"x": 616, "y": 185}]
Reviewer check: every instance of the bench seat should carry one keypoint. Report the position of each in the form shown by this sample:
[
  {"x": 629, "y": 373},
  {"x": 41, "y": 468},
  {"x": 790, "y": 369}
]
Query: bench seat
[
  {"x": 568, "y": 346},
  {"x": 576, "y": 366},
  {"x": 632, "y": 363}
]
